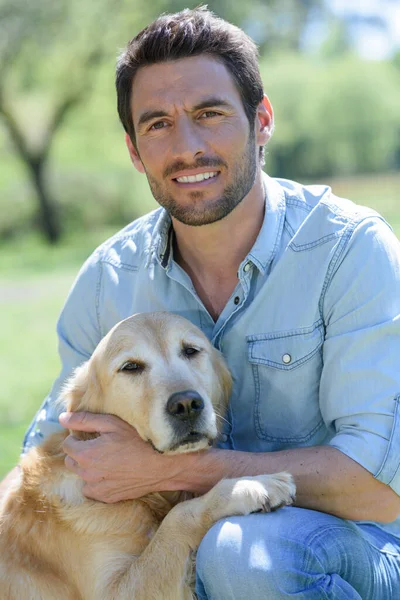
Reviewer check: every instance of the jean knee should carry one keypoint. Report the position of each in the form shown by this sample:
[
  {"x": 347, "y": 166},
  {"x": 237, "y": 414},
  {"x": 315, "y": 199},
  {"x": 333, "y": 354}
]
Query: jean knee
[
  {"x": 220, "y": 545},
  {"x": 243, "y": 557},
  {"x": 219, "y": 564},
  {"x": 240, "y": 556}
]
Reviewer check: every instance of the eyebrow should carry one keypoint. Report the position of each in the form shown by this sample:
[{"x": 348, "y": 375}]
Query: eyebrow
[
  {"x": 212, "y": 101},
  {"x": 149, "y": 115}
]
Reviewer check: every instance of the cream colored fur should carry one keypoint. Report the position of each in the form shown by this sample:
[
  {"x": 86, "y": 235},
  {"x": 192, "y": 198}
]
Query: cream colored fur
[{"x": 55, "y": 544}]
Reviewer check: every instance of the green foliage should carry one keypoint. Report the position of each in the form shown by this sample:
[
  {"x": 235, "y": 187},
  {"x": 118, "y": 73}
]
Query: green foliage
[
  {"x": 335, "y": 114},
  {"x": 332, "y": 117},
  {"x": 273, "y": 24}
]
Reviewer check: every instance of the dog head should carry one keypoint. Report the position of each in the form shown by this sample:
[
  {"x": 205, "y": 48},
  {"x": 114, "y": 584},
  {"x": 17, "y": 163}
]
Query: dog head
[{"x": 158, "y": 372}]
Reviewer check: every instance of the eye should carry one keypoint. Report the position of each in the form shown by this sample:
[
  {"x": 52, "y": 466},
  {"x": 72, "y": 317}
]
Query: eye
[
  {"x": 157, "y": 126},
  {"x": 132, "y": 367},
  {"x": 189, "y": 351},
  {"x": 209, "y": 114}
]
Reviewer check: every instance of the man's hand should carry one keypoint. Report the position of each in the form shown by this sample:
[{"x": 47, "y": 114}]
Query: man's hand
[{"x": 117, "y": 465}]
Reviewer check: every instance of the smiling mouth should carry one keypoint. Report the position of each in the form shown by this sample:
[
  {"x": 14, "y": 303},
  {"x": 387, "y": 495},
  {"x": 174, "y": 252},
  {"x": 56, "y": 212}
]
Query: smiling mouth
[{"x": 197, "y": 180}]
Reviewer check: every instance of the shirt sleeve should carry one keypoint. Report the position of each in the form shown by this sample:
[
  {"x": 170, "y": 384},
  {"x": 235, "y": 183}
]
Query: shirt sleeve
[
  {"x": 78, "y": 330},
  {"x": 360, "y": 383}
]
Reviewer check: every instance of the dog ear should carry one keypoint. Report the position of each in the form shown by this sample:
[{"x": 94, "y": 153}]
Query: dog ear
[
  {"x": 82, "y": 392},
  {"x": 223, "y": 388}
]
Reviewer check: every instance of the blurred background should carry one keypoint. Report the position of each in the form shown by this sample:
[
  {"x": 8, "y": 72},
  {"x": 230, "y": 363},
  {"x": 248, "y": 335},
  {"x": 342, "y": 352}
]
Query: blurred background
[{"x": 330, "y": 67}]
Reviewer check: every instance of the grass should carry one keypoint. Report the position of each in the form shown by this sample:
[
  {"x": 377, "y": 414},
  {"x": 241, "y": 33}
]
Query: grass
[
  {"x": 29, "y": 355},
  {"x": 35, "y": 279},
  {"x": 33, "y": 287},
  {"x": 26, "y": 257}
]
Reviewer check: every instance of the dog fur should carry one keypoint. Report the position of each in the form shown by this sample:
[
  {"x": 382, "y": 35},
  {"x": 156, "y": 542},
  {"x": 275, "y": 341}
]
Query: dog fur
[{"x": 56, "y": 544}]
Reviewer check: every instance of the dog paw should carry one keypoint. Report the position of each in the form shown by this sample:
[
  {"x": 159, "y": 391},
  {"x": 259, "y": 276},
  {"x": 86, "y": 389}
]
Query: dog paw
[
  {"x": 262, "y": 493},
  {"x": 280, "y": 489}
]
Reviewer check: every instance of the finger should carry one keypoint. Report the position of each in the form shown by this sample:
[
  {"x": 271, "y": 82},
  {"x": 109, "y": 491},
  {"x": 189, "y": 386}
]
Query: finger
[
  {"x": 71, "y": 464},
  {"x": 77, "y": 449},
  {"x": 86, "y": 421},
  {"x": 91, "y": 492},
  {"x": 90, "y": 477},
  {"x": 96, "y": 491}
]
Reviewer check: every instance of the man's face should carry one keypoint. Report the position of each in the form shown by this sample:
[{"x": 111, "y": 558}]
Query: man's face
[{"x": 193, "y": 139}]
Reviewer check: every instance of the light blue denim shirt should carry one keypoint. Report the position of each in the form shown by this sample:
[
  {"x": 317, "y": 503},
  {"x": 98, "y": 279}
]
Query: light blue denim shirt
[{"x": 311, "y": 333}]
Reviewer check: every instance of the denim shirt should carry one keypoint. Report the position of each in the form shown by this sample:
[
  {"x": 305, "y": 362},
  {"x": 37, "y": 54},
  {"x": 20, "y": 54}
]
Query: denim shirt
[{"x": 311, "y": 333}]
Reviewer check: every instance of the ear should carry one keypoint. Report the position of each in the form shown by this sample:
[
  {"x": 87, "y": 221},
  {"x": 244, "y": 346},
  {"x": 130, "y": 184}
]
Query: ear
[
  {"x": 83, "y": 392},
  {"x": 264, "y": 122},
  {"x": 133, "y": 153},
  {"x": 223, "y": 386}
]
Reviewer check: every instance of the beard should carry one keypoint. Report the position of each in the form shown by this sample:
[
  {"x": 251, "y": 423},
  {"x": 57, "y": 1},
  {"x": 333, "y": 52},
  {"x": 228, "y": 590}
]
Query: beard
[{"x": 203, "y": 213}]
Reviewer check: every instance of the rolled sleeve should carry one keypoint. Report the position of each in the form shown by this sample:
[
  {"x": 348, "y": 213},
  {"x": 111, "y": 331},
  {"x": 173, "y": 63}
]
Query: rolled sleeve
[
  {"x": 360, "y": 383},
  {"x": 78, "y": 331}
]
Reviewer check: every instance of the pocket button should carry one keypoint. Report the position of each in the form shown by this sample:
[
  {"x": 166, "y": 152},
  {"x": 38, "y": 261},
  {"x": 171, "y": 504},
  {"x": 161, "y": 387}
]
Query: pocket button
[{"x": 287, "y": 359}]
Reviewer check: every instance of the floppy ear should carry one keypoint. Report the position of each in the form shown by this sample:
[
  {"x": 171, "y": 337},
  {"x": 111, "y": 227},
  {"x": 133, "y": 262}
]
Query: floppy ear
[
  {"x": 82, "y": 392},
  {"x": 223, "y": 386}
]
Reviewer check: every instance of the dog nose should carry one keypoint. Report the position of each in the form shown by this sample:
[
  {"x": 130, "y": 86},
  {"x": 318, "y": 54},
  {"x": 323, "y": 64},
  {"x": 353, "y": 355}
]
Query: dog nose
[{"x": 185, "y": 405}]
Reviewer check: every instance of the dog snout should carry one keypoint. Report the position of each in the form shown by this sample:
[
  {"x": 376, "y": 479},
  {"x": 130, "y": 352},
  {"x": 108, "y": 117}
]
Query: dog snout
[{"x": 186, "y": 405}]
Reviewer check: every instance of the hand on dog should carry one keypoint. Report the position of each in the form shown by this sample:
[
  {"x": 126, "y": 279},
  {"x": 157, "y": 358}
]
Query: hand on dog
[{"x": 117, "y": 465}]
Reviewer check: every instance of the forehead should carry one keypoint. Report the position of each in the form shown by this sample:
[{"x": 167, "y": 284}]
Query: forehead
[
  {"x": 184, "y": 82},
  {"x": 150, "y": 335}
]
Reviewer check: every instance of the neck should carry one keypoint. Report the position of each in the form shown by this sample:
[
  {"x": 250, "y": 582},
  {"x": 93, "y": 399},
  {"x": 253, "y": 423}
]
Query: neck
[{"x": 215, "y": 251}]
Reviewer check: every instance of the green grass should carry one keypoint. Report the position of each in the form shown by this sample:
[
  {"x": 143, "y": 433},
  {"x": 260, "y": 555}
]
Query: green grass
[
  {"x": 35, "y": 279},
  {"x": 28, "y": 256},
  {"x": 29, "y": 361}
]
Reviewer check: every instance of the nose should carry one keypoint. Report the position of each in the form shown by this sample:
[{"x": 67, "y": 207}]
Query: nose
[
  {"x": 188, "y": 142},
  {"x": 186, "y": 405}
]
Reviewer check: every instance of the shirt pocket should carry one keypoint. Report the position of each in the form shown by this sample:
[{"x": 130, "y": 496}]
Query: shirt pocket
[{"x": 287, "y": 370}]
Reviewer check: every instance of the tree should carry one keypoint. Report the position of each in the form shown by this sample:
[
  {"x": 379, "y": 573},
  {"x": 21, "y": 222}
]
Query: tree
[
  {"x": 49, "y": 52},
  {"x": 273, "y": 24}
]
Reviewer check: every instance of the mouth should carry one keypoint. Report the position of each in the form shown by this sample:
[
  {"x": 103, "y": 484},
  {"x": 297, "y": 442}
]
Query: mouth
[
  {"x": 193, "y": 441},
  {"x": 196, "y": 180}
]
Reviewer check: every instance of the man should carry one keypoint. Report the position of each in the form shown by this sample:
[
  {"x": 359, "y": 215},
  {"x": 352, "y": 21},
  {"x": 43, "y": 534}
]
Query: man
[{"x": 301, "y": 292}]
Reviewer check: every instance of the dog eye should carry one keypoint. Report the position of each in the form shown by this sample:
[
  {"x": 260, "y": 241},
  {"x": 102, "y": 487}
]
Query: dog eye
[
  {"x": 132, "y": 367},
  {"x": 189, "y": 351}
]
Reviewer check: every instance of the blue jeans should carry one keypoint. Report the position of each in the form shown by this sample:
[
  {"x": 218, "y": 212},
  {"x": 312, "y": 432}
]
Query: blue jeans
[{"x": 297, "y": 553}]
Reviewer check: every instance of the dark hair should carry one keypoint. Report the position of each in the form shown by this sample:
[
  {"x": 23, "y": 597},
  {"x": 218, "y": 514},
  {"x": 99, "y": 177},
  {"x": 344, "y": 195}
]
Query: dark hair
[{"x": 190, "y": 33}]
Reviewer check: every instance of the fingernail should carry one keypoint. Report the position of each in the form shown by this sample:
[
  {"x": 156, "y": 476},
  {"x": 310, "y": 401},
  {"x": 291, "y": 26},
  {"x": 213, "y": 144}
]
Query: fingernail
[{"x": 63, "y": 417}]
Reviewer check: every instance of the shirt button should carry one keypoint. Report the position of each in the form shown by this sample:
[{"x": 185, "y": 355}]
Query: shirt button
[
  {"x": 236, "y": 300},
  {"x": 247, "y": 267},
  {"x": 286, "y": 358},
  {"x": 223, "y": 437}
]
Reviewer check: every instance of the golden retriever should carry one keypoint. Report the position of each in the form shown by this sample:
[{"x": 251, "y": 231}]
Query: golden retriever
[{"x": 159, "y": 373}]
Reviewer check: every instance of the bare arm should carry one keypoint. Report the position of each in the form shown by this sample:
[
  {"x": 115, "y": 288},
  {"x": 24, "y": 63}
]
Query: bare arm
[
  {"x": 119, "y": 465},
  {"x": 7, "y": 480},
  {"x": 327, "y": 480}
]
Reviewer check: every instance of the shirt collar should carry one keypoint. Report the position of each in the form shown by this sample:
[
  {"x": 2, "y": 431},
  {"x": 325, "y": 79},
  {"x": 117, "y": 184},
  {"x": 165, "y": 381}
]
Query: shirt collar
[
  {"x": 269, "y": 238},
  {"x": 161, "y": 240},
  {"x": 265, "y": 246}
]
